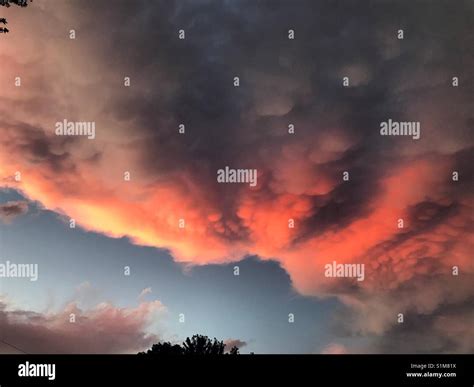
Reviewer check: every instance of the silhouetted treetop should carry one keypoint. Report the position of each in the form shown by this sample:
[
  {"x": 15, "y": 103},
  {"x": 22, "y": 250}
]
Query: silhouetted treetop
[
  {"x": 8, "y": 3},
  {"x": 196, "y": 345},
  {"x": 165, "y": 348}
]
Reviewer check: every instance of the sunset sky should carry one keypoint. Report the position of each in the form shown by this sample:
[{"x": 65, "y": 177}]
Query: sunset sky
[{"x": 191, "y": 271}]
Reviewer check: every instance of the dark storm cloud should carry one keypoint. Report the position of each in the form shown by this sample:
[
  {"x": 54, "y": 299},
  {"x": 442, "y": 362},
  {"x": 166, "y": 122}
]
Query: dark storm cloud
[
  {"x": 429, "y": 326},
  {"x": 190, "y": 81},
  {"x": 463, "y": 165},
  {"x": 422, "y": 218},
  {"x": 297, "y": 81},
  {"x": 346, "y": 202},
  {"x": 12, "y": 209},
  {"x": 38, "y": 147},
  {"x": 432, "y": 333}
]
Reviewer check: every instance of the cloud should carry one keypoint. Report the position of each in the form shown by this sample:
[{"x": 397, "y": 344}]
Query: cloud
[
  {"x": 12, "y": 209},
  {"x": 102, "y": 329},
  {"x": 144, "y": 292},
  {"x": 231, "y": 343},
  {"x": 334, "y": 349},
  {"x": 445, "y": 330}
]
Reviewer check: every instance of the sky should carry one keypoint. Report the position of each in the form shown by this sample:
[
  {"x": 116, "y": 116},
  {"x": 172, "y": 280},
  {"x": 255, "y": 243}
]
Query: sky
[{"x": 146, "y": 202}]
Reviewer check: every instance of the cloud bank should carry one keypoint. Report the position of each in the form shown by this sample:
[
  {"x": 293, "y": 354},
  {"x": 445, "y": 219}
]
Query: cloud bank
[{"x": 103, "y": 329}]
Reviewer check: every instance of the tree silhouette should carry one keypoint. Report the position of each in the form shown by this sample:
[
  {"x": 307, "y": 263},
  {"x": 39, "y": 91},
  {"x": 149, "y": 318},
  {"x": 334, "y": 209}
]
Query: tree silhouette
[
  {"x": 8, "y": 3},
  {"x": 202, "y": 345},
  {"x": 21, "y": 3},
  {"x": 164, "y": 349},
  {"x": 196, "y": 345},
  {"x": 234, "y": 351}
]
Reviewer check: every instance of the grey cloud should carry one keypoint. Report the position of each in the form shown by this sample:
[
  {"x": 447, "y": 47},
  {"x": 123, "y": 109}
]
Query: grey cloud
[{"x": 12, "y": 209}]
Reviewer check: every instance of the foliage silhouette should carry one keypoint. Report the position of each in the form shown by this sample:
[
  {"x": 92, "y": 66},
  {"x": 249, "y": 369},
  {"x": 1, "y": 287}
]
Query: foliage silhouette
[
  {"x": 196, "y": 345},
  {"x": 165, "y": 348},
  {"x": 8, "y": 3}
]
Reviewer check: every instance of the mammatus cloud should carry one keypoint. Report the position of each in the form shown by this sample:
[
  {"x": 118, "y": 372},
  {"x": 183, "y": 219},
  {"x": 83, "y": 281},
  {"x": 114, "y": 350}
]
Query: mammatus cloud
[
  {"x": 408, "y": 270},
  {"x": 102, "y": 329}
]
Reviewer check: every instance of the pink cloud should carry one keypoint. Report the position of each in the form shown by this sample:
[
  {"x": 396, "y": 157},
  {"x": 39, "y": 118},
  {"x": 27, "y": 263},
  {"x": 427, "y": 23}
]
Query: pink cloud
[
  {"x": 334, "y": 349},
  {"x": 102, "y": 329}
]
